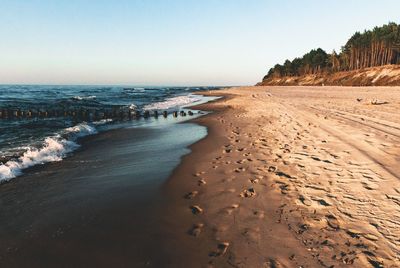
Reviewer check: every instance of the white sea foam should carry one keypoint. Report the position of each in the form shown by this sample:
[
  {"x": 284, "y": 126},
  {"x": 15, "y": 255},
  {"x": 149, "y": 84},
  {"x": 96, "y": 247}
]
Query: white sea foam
[
  {"x": 132, "y": 107},
  {"x": 84, "y": 97},
  {"x": 102, "y": 122},
  {"x": 80, "y": 130},
  {"x": 53, "y": 149},
  {"x": 172, "y": 102}
]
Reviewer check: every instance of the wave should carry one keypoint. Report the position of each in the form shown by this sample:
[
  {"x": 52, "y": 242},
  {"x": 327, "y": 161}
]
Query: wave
[
  {"x": 135, "y": 89},
  {"x": 80, "y": 130},
  {"x": 84, "y": 97},
  {"x": 53, "y": 149},
  {"x": 102, "y": 122},
  {"x": 132, "y": 107},
  {"x": 172, "y": 102}
]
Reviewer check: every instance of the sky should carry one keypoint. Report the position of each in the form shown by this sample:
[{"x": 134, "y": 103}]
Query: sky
[{"x": 175, "y": 42}]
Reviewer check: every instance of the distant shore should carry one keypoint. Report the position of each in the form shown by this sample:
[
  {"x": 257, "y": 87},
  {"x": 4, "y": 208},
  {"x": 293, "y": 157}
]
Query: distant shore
[{"x": 290, "y": 177}]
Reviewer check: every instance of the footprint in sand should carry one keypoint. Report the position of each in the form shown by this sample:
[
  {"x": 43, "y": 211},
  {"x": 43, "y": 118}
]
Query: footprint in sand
[
  {"x": 196, "y": 209},
  {"x": 230, "y": 209},
  {"x": 271, "y": 263},
  {"x": 259, "y": 214},
  {"x": 254, "y": 181},
  {"x": 196, "y": 229},
  {"x": 247, "y": 193},
  {"x": 272, "y": 169},
  {"x": 284, "y": 188},
  {"x": 201, "y": 182},
  {"x": 240, "y": 169},
  {"x": 198, "y": 174},
  {"x": 227, "y": 151},
  {"x": 221, "y": 249},
  {"x": 191, "y": 195}
]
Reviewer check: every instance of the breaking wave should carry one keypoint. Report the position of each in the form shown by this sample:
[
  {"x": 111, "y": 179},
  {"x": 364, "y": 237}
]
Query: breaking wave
[
  {"x": 53, "y": 149},
  {"x": 172, "y": 102},
  {"x": 84, "y": 97}
]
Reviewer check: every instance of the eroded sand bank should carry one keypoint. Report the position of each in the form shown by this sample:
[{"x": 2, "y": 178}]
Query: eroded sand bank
[{"x": 290, "y": 177}]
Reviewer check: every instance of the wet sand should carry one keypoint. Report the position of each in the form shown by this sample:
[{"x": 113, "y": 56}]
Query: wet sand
[
  {"x": 101, "y": 207},
  {"x": 291, "y": 177}
]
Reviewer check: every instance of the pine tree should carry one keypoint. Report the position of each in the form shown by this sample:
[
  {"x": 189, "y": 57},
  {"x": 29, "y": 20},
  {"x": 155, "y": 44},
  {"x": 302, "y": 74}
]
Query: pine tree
[{"x": 376, "y": 47}]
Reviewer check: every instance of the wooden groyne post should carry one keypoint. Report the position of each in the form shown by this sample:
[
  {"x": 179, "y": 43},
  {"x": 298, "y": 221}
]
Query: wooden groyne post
[{"x": 86, "y": 114}]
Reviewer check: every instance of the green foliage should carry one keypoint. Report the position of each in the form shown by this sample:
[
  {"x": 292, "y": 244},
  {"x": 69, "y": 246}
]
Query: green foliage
[{"x": 376, "y": 47}]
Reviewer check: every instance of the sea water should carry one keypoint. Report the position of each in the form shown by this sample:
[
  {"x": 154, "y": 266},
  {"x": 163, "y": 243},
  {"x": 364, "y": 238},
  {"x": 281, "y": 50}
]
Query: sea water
[{"x": 29, "y": 141}]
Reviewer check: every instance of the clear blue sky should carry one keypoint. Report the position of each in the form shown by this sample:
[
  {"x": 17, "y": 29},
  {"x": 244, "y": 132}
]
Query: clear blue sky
[{"x": 187, "y": 42}]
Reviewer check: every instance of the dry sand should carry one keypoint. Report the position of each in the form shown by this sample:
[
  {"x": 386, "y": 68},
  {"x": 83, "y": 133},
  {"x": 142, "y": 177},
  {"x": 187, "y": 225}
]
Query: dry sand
[{"x": 291, "y": 177}]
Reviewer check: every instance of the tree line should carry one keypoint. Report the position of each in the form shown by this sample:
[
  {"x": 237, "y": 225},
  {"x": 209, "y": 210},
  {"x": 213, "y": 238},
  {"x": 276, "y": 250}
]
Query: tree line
[{"x": 376, "y": 47}]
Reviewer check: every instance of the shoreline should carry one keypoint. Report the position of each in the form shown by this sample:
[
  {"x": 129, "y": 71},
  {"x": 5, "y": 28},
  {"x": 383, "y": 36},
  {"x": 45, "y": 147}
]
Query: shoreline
[
  {"x": 99, "y": 207},
  {"x": 204, "y": 248},
  {"x": 258, "y": 198}
]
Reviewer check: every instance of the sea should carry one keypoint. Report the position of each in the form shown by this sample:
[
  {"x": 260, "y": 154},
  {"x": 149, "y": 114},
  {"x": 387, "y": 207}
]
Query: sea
[{"x": 45, "y": 127}]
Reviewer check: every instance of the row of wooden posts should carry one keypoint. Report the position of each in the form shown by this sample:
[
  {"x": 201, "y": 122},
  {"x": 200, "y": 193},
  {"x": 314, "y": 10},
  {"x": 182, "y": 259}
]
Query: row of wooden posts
[{"x": 88, "y": 114}]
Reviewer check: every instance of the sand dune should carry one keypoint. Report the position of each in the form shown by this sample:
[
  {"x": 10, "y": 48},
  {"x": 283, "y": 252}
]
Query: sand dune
[
  {"x": 294, "y": 177},
  {"x": 387, "y": 75}
]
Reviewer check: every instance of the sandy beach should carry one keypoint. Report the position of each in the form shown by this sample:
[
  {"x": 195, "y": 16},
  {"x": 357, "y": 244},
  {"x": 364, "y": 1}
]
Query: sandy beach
[{"x": 290, "y": 177}]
